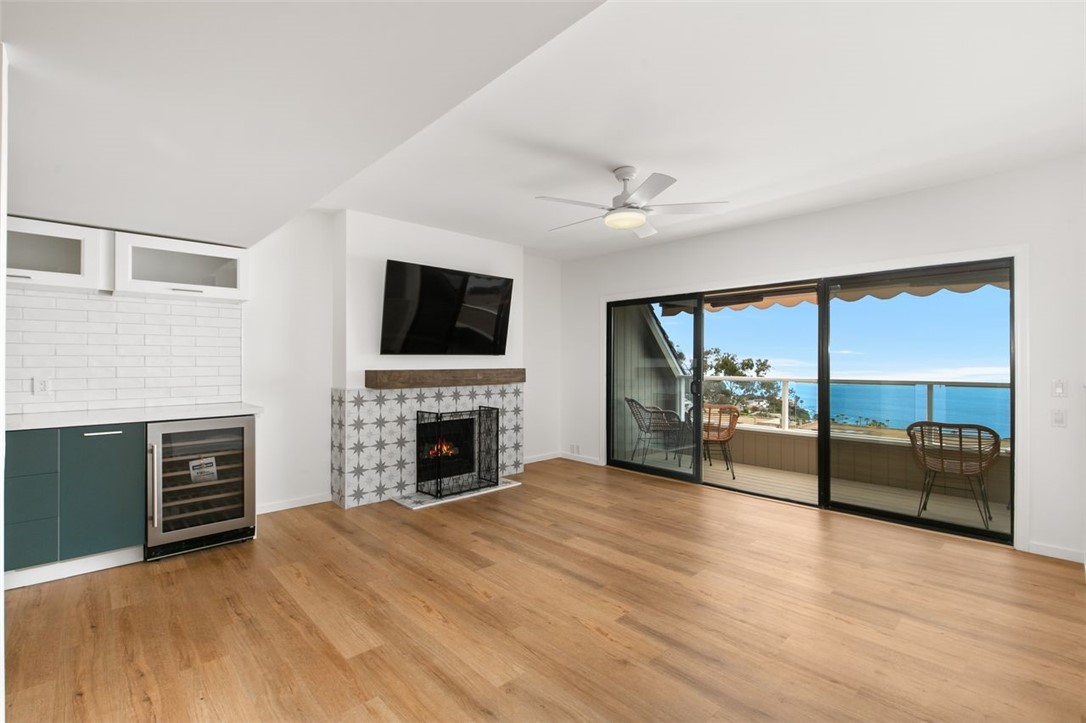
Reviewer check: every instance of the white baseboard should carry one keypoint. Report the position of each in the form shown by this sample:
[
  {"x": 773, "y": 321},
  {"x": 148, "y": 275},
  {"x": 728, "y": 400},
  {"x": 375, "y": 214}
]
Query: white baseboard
[
  {"x": 581, "y": 458},
  {"x": 542, "y": 457},
  {"x": 71, "y": 568},
  {"x": 266, "y": 507},
  {"x": 1063, "y": 553}
]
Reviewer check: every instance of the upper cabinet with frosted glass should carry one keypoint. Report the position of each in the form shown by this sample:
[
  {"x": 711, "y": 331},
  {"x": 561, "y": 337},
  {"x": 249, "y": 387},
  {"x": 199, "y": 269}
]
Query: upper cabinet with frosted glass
[
  {"x": 186, "y": 269},
  {"x": 43, "y": 253}
]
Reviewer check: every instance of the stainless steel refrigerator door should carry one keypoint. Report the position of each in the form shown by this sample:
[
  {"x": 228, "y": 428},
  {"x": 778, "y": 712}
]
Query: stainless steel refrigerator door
[{"x": 186, "y": 496}]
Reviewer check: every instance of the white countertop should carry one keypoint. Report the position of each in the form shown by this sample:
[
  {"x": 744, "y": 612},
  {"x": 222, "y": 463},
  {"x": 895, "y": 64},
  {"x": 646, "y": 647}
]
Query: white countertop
[{"x": 48, "y": 420}]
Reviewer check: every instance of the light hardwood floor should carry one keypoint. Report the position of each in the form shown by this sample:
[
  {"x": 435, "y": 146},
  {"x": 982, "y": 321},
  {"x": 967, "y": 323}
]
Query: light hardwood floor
[{"x": 587, "y": 593}]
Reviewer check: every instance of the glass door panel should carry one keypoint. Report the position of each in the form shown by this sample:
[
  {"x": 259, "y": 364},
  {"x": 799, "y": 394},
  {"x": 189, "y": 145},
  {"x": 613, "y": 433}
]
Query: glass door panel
[
  {"x": 761, "y": 366},
  {"x": 653, "y": 386},
  {"x": 920, "y": 396}
]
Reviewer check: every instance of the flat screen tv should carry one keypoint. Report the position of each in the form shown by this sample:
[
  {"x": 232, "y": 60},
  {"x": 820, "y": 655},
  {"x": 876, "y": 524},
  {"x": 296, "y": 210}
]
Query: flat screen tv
[{"x": 430, "y": 310}]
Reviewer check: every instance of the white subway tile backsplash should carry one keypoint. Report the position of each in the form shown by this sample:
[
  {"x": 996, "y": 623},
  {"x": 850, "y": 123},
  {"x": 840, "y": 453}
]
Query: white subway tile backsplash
[
  {"x": 86, "y": 395},
  {"x": 31, "y": 302},
  {"x": 29, "y": 349},
  {"x": 84, "y": 349},
  {"x": 83, "y": 373},
  {"x": 28, "y": 325},
  {"x": 143, "y": 328},
  {"x": 167, "y": 382},
  {"x": 142, "y": 350},
  {"x": 53, "y": 337},
  {"x": 105, "y": 353},
  {"x": 142, "y": 371},
  {"x": 55, "y": 314},
  {"x": 31, "y": 362},
  {"x": 190, "y": 330},
  {"x": 87, "y": 327},
  {"x": 86, "y": 304},
  {"x": 113, "y": 317},
  {"x": 115, "y": 361},
  {"x": 67, "y": 385},
  {"x": 114, "y": 383},
  {"x": 114, "y": 338}
]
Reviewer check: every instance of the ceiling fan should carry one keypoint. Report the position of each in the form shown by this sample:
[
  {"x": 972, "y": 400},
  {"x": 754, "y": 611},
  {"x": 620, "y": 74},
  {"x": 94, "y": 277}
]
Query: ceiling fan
[{"x": 628, "y": 210}]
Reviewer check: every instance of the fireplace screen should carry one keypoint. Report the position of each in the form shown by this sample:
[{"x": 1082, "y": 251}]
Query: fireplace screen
[{"x": 457, "y": 451}]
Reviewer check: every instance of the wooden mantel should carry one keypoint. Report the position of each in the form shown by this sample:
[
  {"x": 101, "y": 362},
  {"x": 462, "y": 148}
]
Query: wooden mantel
[{"x": 411, "y": 378}]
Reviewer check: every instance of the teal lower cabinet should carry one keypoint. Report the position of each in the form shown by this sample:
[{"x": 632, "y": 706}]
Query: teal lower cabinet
[
  {"x": 103, "y": 488},
  {"x": 73, "y": 491},
  {"x": 30, "y": 543},
  {"x": 31, "y": 498}
]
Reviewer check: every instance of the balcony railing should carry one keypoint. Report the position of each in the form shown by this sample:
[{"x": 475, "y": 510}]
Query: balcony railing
[{"x": 862, "y": 404}]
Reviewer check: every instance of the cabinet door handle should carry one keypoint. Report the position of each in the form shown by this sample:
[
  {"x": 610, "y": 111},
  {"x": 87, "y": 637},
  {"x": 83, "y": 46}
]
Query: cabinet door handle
[
  {"x": 19, "y": 276},
  {"x": 103, "y": 434},
  {"x": 156, "y": 481},
  {"x": 190, "y": 291}
]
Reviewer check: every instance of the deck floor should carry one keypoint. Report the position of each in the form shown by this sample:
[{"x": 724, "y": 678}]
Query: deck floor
[{"x": 800, "y": 487}]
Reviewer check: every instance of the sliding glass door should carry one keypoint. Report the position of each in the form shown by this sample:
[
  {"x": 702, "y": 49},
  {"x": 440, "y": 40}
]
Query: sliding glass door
[
  {"x": 888, "y": 394},
  {"x": 920, "y": 396},
  {"x": 760, "y": 391},
  {"x": 653, "y": 384}
]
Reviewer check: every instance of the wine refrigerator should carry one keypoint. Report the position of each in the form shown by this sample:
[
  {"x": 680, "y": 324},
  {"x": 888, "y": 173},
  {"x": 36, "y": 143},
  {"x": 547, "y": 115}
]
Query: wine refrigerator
[{"x": 200, "y": 484}]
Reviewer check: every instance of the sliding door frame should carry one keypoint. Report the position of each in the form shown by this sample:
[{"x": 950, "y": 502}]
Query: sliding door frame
[
  {"x": 695, "y": 388},
  {"x": 825, "y": 483},
  {"x": 824, "y": 287}
]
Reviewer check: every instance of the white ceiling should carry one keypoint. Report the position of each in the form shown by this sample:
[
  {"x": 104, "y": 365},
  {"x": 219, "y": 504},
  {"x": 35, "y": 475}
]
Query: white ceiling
[
  {"x": 779, "y": 108},
  {"x": 221, "y": 121}
]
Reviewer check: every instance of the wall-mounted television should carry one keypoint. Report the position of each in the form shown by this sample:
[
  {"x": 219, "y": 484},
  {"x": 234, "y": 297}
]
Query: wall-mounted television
[{"x": 430, "y": 310}]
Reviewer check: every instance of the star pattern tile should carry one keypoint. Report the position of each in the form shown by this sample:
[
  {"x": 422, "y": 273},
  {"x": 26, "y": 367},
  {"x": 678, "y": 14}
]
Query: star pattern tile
[{"x": 373, "y": 435}]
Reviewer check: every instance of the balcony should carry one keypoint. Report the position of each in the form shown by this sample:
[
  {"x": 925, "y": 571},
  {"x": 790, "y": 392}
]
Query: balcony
[{"x": 775, "y": 445}]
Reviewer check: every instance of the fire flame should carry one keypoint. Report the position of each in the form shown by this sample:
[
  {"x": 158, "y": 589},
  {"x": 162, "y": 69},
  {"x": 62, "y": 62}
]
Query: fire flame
[{"x": 442, "y": 448}]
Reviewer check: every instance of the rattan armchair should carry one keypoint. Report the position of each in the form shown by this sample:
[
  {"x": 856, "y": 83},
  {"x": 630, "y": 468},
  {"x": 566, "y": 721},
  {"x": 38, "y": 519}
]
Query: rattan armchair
[
  {"x": 718, "y": 425},
  {"x": 960, "y": 450},
  {"x": 653, "y": 423}
]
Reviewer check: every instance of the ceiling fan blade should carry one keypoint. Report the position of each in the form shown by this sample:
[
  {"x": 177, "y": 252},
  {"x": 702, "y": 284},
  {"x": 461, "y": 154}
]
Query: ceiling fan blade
[
  {"x": 586, "y": 220},
  {"x": 644, "y": 230},
  {"x": 575, "y": 203},
  {"x": 707, "y": 207},
  {"x": 654, "y": 185}
]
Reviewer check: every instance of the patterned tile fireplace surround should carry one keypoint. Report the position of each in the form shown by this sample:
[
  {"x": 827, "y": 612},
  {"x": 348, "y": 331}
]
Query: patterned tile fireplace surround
[{"x": 373, "y": 429}]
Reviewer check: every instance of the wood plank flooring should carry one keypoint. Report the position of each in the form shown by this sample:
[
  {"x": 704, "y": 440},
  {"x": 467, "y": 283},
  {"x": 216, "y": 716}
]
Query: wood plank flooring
[{"x": 587, "y": 593}]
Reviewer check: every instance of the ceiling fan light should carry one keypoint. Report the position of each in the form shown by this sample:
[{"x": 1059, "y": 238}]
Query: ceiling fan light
[{"x": 625, "y": 218}]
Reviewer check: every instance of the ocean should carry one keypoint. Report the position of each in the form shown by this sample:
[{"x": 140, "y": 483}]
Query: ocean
[{"x": 899, "y": 405}]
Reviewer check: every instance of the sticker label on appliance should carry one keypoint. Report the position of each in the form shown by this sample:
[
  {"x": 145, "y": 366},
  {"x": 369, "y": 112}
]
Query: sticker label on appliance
[{"x": 203, "y": 470}]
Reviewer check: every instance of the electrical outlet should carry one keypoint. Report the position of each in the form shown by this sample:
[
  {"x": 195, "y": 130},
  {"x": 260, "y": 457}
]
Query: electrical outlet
[
  {"x": 39, "y": 385},
  {"x": 1059, "y": 417}
]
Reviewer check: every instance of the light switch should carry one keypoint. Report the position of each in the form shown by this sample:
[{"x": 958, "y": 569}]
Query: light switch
[
  {"x": 1059, "y": 417},
  {"x": 1059, "y": 388}
]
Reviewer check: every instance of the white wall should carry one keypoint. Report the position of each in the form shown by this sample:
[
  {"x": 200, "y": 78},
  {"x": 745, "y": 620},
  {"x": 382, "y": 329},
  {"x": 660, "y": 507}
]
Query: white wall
[
  {"x": 100, "y": 351},
  {"x": 371, "y": 240},
  {"x": 1034, "y": 213},
  {"x": 542, "y": 357},
  {"x": 287, "y": 363}
]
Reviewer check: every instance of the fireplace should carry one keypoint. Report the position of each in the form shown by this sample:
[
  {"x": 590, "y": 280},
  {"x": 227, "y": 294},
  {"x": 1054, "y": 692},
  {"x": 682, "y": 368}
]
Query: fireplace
[{"x": 457, "y": 451}]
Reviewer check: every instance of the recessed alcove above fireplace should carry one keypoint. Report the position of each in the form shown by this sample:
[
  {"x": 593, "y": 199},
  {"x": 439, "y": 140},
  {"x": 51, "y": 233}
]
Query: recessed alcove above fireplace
[{"x": 373, "y": 427}]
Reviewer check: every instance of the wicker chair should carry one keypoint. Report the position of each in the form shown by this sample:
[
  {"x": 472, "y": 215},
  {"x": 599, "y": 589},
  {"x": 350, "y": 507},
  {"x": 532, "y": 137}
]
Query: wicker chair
[
  {"x": 962, "y": 450},
  {"x": 653, "y": 423},
  {"x": 718, "y": 425}
]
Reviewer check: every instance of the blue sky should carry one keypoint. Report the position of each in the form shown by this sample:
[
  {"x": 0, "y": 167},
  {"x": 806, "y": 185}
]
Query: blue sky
[{"x": 947, "y": 336}]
